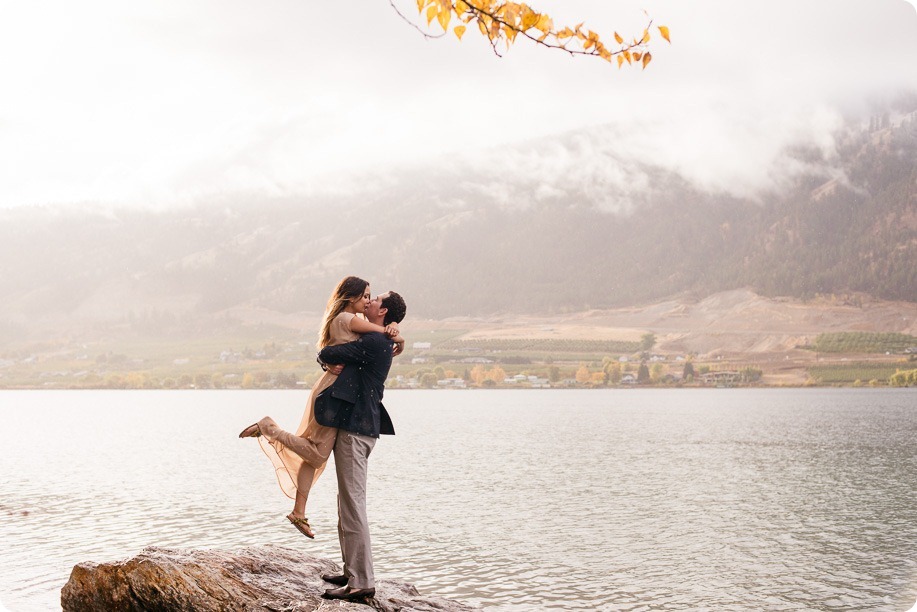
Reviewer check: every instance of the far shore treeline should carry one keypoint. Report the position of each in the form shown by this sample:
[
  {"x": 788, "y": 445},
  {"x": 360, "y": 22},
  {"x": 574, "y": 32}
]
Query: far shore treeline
[{"x": 447, "y": 362}]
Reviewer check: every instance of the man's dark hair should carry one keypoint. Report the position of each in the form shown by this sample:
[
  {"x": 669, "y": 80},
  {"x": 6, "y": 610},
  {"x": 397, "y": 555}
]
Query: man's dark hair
[{"x": 395, "y": 308}]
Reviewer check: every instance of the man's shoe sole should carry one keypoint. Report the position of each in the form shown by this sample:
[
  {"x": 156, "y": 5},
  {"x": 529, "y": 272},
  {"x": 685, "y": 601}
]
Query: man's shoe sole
[
  {"x": 338, "y": 579},
  {"x": 355, "y": 595}
]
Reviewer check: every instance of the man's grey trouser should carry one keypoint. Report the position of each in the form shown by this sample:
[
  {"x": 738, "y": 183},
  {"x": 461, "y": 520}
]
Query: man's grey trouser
[{"x": 351, "y": 454}]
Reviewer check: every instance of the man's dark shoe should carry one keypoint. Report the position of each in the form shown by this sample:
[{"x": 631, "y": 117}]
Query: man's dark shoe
[
  {"x": 349, "y": 594},
  {"x": 338, "y": 579}
]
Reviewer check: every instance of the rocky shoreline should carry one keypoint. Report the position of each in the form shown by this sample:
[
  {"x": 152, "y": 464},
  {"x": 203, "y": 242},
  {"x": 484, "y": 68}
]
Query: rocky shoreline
[{"x": 259, "y": 578}]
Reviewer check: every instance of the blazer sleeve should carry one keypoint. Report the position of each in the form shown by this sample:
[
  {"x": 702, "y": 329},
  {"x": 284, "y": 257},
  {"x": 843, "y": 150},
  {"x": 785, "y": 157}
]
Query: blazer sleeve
[{"x": 357, "y": 352}]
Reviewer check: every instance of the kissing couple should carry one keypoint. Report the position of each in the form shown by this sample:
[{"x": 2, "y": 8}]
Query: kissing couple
[{"x": 359, "y": 336}]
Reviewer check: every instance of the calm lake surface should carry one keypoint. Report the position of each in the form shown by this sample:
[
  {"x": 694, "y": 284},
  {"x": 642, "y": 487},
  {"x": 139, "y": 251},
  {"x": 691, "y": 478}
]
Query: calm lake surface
[{"x": 726, "y": 499}]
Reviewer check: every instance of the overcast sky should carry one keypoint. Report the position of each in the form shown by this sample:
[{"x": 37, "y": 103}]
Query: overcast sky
[{"x": 142, "y": 103}]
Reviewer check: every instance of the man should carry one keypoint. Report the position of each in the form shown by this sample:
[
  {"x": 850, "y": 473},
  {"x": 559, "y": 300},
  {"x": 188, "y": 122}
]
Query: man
[{"x": 353, "y": 404}]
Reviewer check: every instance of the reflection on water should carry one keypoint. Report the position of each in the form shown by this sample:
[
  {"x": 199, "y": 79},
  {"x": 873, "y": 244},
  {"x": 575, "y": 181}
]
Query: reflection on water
[{"x": 514, "y": 500}]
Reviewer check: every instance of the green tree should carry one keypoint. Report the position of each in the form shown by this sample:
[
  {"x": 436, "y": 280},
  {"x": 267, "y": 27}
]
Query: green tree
[
  {"x": 202, "y": 381},
  {"x": 647, "y": 342},
  {"x": 613, "y": 372},
  {"x": 428, "y": 380},
  {"x": 903, "y": 378},
  {"x": 262, "y": 380},
  {"x": 643, "y": 373},
  {"x": 689, "y": 370}
]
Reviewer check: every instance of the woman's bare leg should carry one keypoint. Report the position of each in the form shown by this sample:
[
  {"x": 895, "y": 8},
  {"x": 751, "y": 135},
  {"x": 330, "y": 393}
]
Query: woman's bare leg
[
  {"x": 303, "y": 486},
  {"x": 303, "y": 447}
]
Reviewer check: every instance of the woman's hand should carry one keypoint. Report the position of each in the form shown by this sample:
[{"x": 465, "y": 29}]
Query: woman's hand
[{"x": 391, "y": 330}]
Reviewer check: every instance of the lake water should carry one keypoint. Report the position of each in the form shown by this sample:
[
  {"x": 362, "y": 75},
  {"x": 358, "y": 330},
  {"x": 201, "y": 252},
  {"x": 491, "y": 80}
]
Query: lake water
[{"x": 726, "y": 499}]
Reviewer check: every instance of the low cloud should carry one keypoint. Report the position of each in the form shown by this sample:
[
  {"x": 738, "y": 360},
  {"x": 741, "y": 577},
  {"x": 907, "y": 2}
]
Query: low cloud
[{"x": 160, "y": 112}]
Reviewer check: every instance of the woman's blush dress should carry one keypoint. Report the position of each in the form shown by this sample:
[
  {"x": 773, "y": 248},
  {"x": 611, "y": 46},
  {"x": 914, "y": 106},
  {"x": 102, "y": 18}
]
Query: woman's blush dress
[{"x": 300, "y": 458}]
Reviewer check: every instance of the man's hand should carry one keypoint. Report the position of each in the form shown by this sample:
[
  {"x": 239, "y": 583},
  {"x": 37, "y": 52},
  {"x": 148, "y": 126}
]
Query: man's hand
[
  {"x": 399, "y": 348},
  {"x": 391, "y": 330},
  {"x": 336, "y": 369}
]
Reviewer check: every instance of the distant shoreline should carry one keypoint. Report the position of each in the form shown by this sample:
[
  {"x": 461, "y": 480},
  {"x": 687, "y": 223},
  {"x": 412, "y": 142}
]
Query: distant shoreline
[{"x": 495, "y": 388}]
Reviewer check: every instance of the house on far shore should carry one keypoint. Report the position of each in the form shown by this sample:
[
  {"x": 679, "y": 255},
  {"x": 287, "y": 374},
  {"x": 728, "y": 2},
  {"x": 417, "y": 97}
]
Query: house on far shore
[
  {"x": 451, "y": 383},
  {"x": 421, "y": 346},
  {"x": 628, "y": 379},
  {"x": 720, "y": 377},
  {"x": 409, "y": 383}
]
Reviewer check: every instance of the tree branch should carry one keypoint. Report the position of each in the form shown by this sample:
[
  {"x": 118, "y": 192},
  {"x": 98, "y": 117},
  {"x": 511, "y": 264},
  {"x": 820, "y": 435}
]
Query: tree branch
[
  {"x": 414, "y": 25},
  {"x": 540, "y": 40},
  {"x": 504, "y": 20}
]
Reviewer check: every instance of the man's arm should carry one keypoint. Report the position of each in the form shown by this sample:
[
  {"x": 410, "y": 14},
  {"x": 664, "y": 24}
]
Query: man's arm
[{"x": 359, "y": 352}]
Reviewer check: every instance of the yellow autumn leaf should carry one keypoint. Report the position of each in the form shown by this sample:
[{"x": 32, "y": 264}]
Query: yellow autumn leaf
[
  {"x": 646, "y": 37},
  {"x": 431, "y": 13},
  {"x": 459, "y": 30},
  {"x": 545, "y": 23},
  {"x": 565, "y": 33},
  {"x": 620, "y": 60},
  {"x": 636, "y": 56},
  {"x": 529, "y": 19},
  {"x": 665, "y": 33},
  {"x": 646, "y": 59},
  {"x": 618, "y": 38},
  {"x": 627, "y": 56},
  {"x": 510, "y": 34},
  {"x": 444, "y": 16},
  {"x": 460, "y": 7},
  {"x": 420, "y": 5},
  {"x": 511, "y": 14}
]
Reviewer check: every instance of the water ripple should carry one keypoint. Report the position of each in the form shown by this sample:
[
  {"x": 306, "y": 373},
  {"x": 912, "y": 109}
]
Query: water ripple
[{"x": 725, "y": 500}]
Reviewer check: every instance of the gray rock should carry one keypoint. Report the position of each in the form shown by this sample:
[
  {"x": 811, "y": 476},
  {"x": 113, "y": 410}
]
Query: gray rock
[{"x": 258, "y": 578}]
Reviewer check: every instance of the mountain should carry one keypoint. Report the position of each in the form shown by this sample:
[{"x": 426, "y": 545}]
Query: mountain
[{"x": 459, "y": 239}]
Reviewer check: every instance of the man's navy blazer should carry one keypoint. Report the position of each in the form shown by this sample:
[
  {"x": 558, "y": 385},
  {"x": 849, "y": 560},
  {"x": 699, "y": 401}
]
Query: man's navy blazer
[{"x": 354, "y": 401}]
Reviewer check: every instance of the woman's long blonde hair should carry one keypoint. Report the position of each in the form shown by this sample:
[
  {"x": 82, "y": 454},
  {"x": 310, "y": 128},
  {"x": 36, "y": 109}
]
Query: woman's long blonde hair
[{"x": 347, "y": 290}]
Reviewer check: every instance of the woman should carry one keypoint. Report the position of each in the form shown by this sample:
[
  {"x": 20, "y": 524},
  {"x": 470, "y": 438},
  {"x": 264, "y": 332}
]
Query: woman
[{"x": 300, "y": 459}]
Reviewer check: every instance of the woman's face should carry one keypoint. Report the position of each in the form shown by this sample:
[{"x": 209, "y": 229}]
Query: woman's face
[{"x": 358, "y": 304}]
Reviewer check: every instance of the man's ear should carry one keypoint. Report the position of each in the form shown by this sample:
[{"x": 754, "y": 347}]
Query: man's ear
[{"x": 382, "y": 312}]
